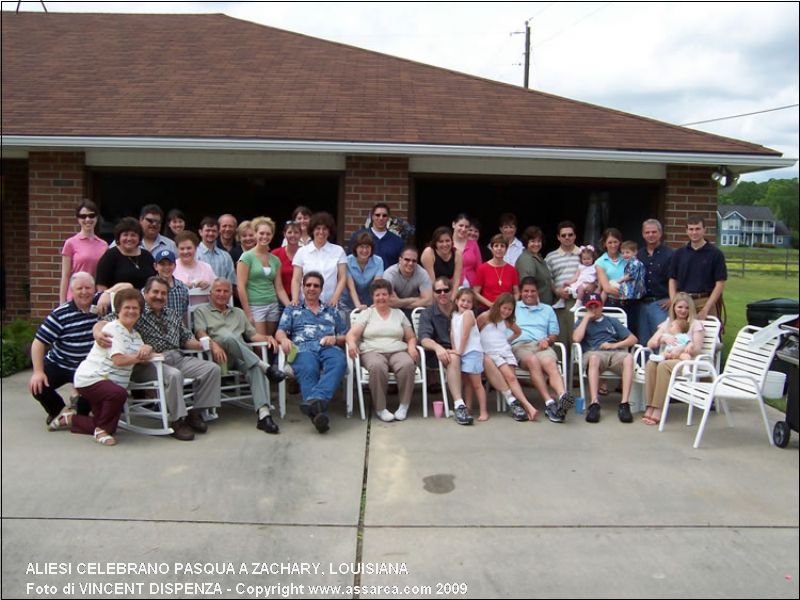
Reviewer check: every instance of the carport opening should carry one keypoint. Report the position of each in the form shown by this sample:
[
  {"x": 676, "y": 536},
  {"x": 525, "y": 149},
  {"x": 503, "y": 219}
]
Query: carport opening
[
  {"x": 244, "y": 195},
  {"x": 592, "y": 205}
]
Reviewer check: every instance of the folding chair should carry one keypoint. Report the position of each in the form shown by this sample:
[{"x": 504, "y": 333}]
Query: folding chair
[
  {"x": 420, "y": 374},
  {"x": 743, "y": 379},
  {"x": 610, "y": 312}
]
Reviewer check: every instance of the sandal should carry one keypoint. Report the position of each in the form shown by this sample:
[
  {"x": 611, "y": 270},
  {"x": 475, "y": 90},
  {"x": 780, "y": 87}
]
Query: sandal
[
  {"x": 62, "y": 421},
  {"x": 603, "y": 391},
  {"x": 104, "y": 438},
  {"x": 650, "y": 421}
]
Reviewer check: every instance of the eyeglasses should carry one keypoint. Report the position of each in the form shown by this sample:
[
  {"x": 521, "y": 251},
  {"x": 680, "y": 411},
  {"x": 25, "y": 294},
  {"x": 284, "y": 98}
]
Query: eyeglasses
[
  {"x": 312, "y": 285},
  {"x": 87, "y": 215},
  {"x": 567, "y": 235},
  {"x": 442, "y": 291},
  {"x": 381, "y": 215},
  {"x": 153, "y": 221},
  {"x": 409, "y": 260}
]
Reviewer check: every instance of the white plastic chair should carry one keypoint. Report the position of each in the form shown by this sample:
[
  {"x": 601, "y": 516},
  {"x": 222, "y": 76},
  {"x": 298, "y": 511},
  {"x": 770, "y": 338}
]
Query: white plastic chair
[
  {"x": 347, "y": 384},
  {"x": 710, "y": 352},
  {"x": 420, "y": 374},
  {"x": 744, "y": 376},
  {"x": 415, "y": 316},
  {"x": 610, "y": 312},
  {"x": 525, "y": 375}
]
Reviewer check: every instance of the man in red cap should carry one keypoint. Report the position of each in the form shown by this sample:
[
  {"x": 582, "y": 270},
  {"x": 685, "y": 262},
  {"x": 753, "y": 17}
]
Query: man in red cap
[{"x": 605, "y": 342}]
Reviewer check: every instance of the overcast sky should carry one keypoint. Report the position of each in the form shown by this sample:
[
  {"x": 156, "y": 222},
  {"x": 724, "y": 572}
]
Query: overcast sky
[{"x": 675, "y": 62}]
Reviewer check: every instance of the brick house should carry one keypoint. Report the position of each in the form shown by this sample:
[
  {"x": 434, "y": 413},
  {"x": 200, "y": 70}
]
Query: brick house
[{"x": 211, "y": 114}]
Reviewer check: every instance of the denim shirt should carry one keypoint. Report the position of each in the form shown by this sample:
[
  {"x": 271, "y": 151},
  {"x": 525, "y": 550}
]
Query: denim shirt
[
  {"x": 306, "y": 329},
  {"x": 362, "y": 279},
  {"x": 656, "y": 279}
]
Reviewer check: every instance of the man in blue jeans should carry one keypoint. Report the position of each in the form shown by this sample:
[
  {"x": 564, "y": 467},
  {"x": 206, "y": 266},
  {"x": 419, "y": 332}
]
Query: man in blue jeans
[{"x": 317, "y": 330}]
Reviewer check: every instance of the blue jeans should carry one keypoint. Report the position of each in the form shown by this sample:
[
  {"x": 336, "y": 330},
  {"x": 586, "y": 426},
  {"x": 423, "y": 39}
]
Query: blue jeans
[
  {"x": 651, "y": 315},
  {"x": 316, "y": 385}
]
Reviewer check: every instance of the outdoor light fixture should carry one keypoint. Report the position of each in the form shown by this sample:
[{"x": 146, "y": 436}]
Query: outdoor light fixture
[{"x": 724, "y": 177}]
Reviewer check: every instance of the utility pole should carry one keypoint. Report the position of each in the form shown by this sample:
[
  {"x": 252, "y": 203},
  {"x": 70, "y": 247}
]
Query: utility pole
[{"x": 527, "y": 53}]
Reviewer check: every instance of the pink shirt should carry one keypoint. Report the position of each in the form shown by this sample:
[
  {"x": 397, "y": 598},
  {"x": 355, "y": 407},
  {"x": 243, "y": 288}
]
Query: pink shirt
[
  {"x": 84, "y": 253},
  {"x": 201, "y": 271},
  {"x": 470, "y": 261}
]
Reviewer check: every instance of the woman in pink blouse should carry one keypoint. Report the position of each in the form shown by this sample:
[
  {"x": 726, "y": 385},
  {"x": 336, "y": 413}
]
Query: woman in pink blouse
[
  {"x": 470, "y": 252},
  {"x": 82, "y": 251},
  {"x": 196, "y": 274}
]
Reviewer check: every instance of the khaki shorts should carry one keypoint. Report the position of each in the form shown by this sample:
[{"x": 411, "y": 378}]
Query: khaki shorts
[
  {"x": 610, "y": 360},
  {"x": 524, "y": 349}
]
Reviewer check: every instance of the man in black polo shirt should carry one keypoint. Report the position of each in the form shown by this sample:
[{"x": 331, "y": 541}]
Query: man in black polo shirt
[
  {"x": 699, "y": 269},
  {"x": 656, "y": 258}
]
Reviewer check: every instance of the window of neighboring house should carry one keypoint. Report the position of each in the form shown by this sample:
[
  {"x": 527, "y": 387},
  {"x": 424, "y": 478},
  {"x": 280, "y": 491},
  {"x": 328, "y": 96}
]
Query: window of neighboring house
[{"x": 724, "y": 239}]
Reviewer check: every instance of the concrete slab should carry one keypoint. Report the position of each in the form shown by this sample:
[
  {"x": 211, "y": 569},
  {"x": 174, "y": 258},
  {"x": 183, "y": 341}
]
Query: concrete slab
[
  {"x": 214, "y": 553},
  {"x": 434, "y": 472},
  {"x": 233, "y": 474},
  {"x": 606, "y": 562}
]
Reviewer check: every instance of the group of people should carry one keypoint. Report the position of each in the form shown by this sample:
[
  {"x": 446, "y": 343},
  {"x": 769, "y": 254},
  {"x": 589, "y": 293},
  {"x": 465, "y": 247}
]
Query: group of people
[{"x": 479, "y": 318}]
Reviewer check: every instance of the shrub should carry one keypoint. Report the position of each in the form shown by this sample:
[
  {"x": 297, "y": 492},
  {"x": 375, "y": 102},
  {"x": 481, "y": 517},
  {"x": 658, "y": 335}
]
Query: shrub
[{"x": 15, "y": 348}]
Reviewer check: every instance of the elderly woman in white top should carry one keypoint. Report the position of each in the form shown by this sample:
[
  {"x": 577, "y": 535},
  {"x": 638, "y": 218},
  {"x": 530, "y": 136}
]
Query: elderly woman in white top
[
  {"x": 323, "y": 257},
  {"x": 104, "y": 376},
  {"x": 384, "y": 337}
]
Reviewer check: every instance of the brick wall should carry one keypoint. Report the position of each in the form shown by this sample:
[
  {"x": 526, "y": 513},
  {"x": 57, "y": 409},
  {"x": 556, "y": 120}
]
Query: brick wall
[
  {"x": 56, "y": 184},
  {"x": 372, "y": 179},
  {"x": 690, "y": 190},
  {"x": 15, "y": 240}
]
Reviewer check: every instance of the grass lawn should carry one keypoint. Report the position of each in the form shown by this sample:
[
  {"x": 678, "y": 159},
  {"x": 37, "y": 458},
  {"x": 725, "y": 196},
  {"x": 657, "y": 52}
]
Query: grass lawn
[{"x": 739, "y": 292}]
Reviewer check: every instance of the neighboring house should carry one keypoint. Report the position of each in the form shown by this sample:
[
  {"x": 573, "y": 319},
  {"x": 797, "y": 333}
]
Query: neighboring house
[
  {"x": 211, "y": 114},
  {"x": 743, "y": 225}
]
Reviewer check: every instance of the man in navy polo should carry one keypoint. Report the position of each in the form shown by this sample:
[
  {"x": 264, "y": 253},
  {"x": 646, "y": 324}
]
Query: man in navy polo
[
  {"x": 388, "y": 245},
  {"x": 699, "y": 269},
  {"x": 656, "y": 258}
]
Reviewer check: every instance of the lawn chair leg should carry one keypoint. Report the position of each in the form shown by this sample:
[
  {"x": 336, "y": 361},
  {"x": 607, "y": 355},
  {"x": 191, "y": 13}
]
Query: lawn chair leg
[{"x": 702, "y": 427}]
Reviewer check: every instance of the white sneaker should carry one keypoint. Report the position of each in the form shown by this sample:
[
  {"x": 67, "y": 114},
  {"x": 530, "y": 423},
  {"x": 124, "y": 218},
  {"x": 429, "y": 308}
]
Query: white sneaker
[
  {"x": 401, "y": 413},
  {"x": 386, "y": 416}
]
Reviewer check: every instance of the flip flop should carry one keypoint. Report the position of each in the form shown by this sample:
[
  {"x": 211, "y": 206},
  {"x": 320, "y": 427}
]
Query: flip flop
[
  {"x": 603, "y": 391},
  {"x": 650, "y": 421}
]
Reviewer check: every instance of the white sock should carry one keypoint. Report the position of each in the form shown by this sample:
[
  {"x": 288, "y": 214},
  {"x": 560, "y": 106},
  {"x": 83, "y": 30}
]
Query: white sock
[
  {"x": 459, "y": 402},
  {"x": 263, "y": 412},
  {"x": 549, "y": 402},
  {"x": 509, "y": 396}
]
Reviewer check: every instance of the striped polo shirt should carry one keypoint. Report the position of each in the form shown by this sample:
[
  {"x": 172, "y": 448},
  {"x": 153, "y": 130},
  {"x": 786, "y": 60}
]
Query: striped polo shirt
[
  {"x": 68, "y": 332},
  {"x": 562, "y": 265}
]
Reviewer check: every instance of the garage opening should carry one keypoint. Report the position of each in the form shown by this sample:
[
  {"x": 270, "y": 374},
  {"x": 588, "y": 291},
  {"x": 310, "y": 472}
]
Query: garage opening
[
  {"x": 592, "y": 205},
  {"x": 244, "y": 195}
]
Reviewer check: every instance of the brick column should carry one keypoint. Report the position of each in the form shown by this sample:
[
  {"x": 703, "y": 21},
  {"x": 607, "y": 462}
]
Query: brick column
[
  {"x": 56, "y": 184},
  {"x": 372, "y": 179},
  {"x": 690, "y": 190},
  {"x": 15, "y": 240}
]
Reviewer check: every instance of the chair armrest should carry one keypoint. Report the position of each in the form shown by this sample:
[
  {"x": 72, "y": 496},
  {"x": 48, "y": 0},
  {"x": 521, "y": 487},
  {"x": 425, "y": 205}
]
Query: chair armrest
[
  {"x": 640, "y": 356},
  {"x": 561, "y": 352},
  {"x": 422, "y": 359},
  {"x": 577, "y": 355}
]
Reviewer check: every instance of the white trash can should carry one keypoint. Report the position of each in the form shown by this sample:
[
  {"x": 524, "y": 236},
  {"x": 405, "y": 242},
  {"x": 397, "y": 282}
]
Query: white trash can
[{"x": 773, "y": 386}]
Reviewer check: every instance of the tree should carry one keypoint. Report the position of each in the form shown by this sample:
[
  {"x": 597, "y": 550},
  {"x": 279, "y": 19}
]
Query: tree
[
  {"x": 783, "y": 198},
  {"x": 746, "y": 193}
]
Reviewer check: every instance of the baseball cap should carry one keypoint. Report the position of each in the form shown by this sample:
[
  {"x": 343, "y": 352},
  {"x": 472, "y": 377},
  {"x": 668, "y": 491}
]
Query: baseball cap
[
  {"x": 589, "y": 299},
  {"x": 165, "y": 255}
]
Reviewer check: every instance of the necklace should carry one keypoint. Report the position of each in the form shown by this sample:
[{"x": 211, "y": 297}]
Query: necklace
[
  {"x": 498, "y": 271},
  {"x": 133, "y": 262}
]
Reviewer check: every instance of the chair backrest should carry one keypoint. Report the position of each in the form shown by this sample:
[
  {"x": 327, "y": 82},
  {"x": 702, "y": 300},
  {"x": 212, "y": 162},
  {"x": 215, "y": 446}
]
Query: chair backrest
[
  {"x": 608, "y": 311},
  {"x": 746, "y": 359},
  {"x": 415, "y": 314},
  {"x": 711, "y": 341}
]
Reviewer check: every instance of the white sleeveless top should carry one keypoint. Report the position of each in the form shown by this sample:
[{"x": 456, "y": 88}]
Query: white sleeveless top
[
  {"x": 494, "y": 338},
  {"x": 474, "y": 339}
]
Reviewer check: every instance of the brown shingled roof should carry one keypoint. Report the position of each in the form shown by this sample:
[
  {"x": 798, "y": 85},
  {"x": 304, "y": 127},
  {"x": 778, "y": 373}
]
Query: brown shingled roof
[{"x": 213, "y": 76}]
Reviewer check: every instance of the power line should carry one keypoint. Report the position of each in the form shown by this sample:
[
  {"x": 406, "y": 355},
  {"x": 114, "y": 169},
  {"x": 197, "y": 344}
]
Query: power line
[
  {"x": 583, "y": 18},
  {"x": 758, "y": 112}
]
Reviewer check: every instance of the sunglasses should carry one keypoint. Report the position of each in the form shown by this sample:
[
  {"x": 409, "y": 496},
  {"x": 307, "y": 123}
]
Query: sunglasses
[
  {"x": 442, "y": 290},
  {"x": 153, "y": 221},
  {"x": 87, "y": 215},
  {"x": 381, "y": 216},
  {"x": 567, "y": 235},
  {"x": 312, "y": 285},
  {"x": 409, "y": 260}
]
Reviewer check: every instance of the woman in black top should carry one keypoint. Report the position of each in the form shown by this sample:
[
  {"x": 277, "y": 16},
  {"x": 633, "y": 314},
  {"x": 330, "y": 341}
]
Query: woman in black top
[
  {"x": 441, "y": 258},
  {"x": 126, "y": 261}
]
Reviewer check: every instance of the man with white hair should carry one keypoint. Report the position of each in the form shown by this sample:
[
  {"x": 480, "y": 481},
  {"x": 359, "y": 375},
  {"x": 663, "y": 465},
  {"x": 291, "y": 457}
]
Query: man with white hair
[
  {"x": 656, "y": 258},
  {"x": 62, "y": 342}
]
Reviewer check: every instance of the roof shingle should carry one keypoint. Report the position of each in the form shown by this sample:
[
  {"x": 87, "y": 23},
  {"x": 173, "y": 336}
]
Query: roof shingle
[{"x": 213, "y": 76}]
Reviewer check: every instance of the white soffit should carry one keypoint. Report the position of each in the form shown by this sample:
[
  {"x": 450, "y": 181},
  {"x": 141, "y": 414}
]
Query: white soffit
[
  {"x": 536, "y": 168},
  {"x": 188, "y": 159}
]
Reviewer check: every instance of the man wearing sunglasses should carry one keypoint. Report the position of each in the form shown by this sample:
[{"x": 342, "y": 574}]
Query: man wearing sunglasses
[
  {"x": 150, "y": 218},
  {"x": 388, "y": 245},
  {"x": 411, "y": 283},
  {"x": 563, "y": 262},
  {"x": 317, "y": 331}
]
